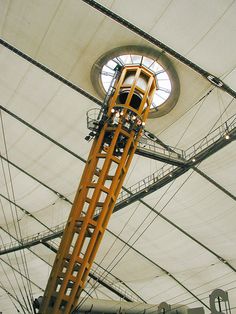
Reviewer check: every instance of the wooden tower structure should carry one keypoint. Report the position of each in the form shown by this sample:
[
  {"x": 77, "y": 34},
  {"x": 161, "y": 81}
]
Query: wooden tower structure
[{"x": 116, "y": 132}]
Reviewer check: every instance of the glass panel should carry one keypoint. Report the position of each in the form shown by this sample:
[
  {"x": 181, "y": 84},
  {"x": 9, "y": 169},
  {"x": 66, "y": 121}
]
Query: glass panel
[
  {"x": 136, "y": 59},
  {"x": 155, "y": 67},
  {"x": 162, "y": 76},
  {"x": 157, "y": 101},
  {"x": 147, "y": 61},
  {"x": 163, "y": 80},
  {"x": 165, "y": 84},
  {"x": 106, "y": 86},
  {"x": 126, "y": 59},
  {"x": 106, "y": 69},
  {"x": 162, "y": 94},
  {"x": 112, "y": 64}
]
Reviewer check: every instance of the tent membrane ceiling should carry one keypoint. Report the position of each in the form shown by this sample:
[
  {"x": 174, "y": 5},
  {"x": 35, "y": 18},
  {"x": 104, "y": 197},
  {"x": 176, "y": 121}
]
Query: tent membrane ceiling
[{"x": 68, "y": 37}]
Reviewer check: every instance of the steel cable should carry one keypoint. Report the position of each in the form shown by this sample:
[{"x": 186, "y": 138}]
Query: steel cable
[{"x": 17, "y": 230}]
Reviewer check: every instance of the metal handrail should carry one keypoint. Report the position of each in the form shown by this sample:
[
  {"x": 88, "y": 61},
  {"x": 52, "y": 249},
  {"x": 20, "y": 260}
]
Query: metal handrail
[
  {"x": 101, "y": 274},
  {"x": 35, "y": 237},
  {"x": 211, "y": 138},
  {"x": 117, "y": 285},
  {"x": 195, "y": 149},
  {"x": 153, "y": 146},
  {"x": 157, "y": 152},
  {"x": 145, "y": 183}
]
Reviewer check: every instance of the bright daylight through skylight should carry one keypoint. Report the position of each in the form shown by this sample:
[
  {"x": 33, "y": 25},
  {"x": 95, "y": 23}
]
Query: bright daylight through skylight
[{"x": 163, "y": 81}]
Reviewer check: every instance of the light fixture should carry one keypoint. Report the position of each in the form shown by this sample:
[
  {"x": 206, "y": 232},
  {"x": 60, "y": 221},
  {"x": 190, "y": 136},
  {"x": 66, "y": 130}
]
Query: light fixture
[
  {"x": 227, "y": 137},
  {"x": 193, "y": 159}
]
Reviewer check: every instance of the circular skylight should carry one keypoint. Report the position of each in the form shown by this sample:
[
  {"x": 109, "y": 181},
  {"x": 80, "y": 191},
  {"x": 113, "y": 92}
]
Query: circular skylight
[
  {"x": 163, "y": 81},
  {"x": 167, "y": 81}
]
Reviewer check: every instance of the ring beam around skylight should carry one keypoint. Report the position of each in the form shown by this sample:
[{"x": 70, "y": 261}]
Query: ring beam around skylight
[{"x": 167, "y": 92}]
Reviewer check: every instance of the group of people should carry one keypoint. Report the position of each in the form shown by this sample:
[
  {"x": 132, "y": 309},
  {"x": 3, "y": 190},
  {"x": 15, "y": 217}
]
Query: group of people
[
  {"x": 119, "y": 115},
  {"x": 129, "y": 119}
]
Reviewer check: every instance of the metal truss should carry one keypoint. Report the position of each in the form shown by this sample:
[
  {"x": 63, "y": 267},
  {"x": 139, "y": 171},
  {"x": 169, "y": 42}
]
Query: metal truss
[
  {"x": 150, "y": 147},
  {"x": 210, "y": 144}
]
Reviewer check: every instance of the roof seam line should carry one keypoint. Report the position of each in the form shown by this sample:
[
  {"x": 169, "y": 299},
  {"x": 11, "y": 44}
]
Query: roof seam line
[
  {"x": 220, "y": 187},
  {"x": 211, "y": 78},
  {"x": 50, "y": 72},
  {"x": 163, "y": 269}
]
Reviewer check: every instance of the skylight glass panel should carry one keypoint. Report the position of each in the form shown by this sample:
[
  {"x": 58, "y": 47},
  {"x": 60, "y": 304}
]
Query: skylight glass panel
[{"x": 163, "y": 80}]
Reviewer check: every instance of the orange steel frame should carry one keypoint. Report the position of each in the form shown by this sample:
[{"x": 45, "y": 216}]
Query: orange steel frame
[{"x": 99, "y": 187}]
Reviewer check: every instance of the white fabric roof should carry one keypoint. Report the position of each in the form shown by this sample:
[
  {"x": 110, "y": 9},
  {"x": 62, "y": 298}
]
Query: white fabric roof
[{"x": 68, "y": 37}]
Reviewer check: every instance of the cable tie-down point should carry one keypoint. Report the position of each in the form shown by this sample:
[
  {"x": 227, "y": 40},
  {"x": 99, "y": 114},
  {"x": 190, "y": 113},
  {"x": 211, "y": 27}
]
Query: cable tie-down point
[{"x": 214, "y": 80}]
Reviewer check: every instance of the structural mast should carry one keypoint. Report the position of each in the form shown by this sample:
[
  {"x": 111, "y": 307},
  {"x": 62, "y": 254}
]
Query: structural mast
[{"x": 116, "y": 132}]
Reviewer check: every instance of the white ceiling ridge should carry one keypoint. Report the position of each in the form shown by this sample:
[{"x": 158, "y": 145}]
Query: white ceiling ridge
[
  {"x": 216, "y": 184},
  {"x": 210, "y": 77},
  {"x": 42, "y": 134},
  {"x": 212, "y": 26},
  {"x": 50, "y": 72},
  {"x": 58, "y": 194}
]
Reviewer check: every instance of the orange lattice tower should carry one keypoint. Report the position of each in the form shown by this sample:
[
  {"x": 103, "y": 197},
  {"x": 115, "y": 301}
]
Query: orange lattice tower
[{"x": 116, "y": 135}]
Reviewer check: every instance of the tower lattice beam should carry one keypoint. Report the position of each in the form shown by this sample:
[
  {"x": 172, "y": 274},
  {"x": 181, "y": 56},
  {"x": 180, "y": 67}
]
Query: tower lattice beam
[{"x": 116, "y": 133}]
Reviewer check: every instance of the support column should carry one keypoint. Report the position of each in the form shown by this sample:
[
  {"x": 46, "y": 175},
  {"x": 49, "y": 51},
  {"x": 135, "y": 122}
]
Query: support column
[{"x": 108, "y": 162}]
